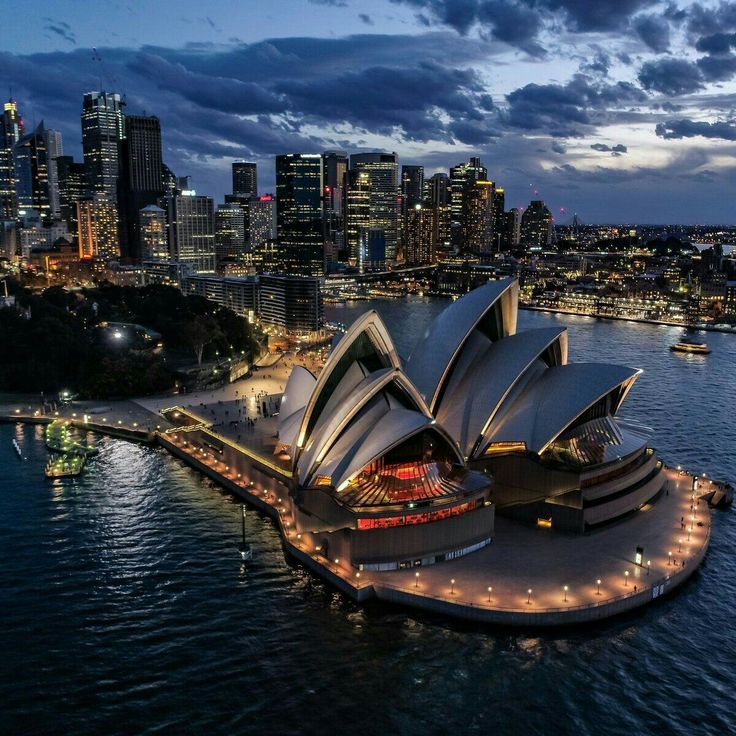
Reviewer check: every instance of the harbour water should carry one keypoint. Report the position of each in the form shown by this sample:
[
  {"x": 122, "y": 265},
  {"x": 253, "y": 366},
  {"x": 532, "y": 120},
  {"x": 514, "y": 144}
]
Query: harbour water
[{"x": 124, "y": 607}]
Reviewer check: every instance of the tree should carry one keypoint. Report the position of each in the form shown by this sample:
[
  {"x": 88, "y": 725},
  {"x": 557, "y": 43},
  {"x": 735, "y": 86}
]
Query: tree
[{"x": 198, "y": 332}]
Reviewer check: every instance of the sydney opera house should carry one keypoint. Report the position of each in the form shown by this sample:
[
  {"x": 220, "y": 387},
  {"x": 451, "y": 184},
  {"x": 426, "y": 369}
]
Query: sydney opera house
[{"x": 400, "y": 463}]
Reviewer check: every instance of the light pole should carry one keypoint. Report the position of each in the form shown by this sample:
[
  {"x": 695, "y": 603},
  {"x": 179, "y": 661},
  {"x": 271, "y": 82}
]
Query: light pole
[
  {"x": 626, "y": 578},
  {"x": 649, "y": 565},
  {"x": 598, "y": 583},
  {"x": 529, "y": 596},
  {"x": 669, "y": 558},
  {"x": 679, "y": 545},
  {"x": 452, "y": 586},
  {"x": 565, "y": 589},
  {"x": 416, "y": 579},
  {"x": 490, "y": 588}
]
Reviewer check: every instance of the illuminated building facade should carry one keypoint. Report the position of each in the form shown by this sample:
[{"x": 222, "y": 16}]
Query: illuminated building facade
[
  {"x": 462, "y": 188},
  {"x": 11, "y": 131},
  {"x": 32, "y": 173},
  {"x": 153, "y": 234},
  {"x": 97, "y": 229},
  {"x": 103, "y": 130},
  {"x": 245, "y": 179},
  {"x": 54, "y": 149},
  {"x": 537, "y": 226},
  {"x": 230, "y": 233},
  {"x": 191, "y": 223},
  {"x": 299, "y": 213},
  {"x": 357, "y": 211}
]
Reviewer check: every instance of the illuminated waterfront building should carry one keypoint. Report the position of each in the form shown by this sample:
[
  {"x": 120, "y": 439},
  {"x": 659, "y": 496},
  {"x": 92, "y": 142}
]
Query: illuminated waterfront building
[
  {"x": 97, "y": 228},
  {"x": 418, "y": 236},
  {"x": 299, "y": 213},
  {"x": 462, "y": 187}
]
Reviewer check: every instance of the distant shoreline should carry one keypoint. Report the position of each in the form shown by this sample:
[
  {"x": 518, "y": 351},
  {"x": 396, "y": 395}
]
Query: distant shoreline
[{"x": 704, "y": 328}]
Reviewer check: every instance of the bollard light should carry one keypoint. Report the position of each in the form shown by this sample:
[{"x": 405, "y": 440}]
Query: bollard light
[
  {"x": 416, "y": 579},
  {"x": 598, "y": 583},
  {"x": 452, "y": 586},
  {"x": 565, "y": 589},
  {"x": 490, "y": 589},
  {"x": 626, "y": 578},
  {"x": 529, "y": 596}
]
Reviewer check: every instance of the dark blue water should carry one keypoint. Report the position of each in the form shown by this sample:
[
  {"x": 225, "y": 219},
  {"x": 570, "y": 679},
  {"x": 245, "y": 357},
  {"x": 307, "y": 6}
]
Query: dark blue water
[{"x": 124, "y": 608}]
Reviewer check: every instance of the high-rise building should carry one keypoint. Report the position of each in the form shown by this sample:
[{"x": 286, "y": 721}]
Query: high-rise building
[
  {"x": 536, "y": 225},
  {"x": 31, "y": 172},
  {"x": 437, "y": 189},
  {"x": 153, "y": 235},
  {"x": 261, "y": 220},
  {"x": 462, "y": 183},
  {"x": 11, "y": 131},
  {"x": 334, "y": 166},
  {"x": 292, "y": 303},
  {"x": 97, "y": 228},
  {"x": 513, "y": 228},
  {"x": 230, "y": 233},
  {"x": 72, "y": 179},
  {"x": 54, "y": 149},
  {"x": 412, "y": 186},
  {"x": 418, "y": 240},
  {"x": 141, "y": 176},
  {"x": 191, "y": 224},
  {"x": 383, "y": 175},
  {"x": 477, "y": 224},
  {"x": 499, "y": 219},
  {"x": 299, "y": 224},
  {"x": 245, "y": 179},
  {"x": 357, "y": 208},
  {"x": 372, "y": 249},
  {"x": 103, "y": 130}
]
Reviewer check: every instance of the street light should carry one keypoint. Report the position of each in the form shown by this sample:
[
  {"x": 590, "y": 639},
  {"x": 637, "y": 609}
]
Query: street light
[
  {"x": 565, "y": 589},
  {"x": 598, "y": 583},
  {"x": 679, "y": 545},
  {"x": 669, "y": 558},
  {"x": 452, "y": 586},
  {"x": 529, "y": 596},
  {"x": 626, "y": 578},
  {"x": 649, "y": 565},
  {"x": 416, "y": 579},
  {"x": 490, "y": 589}
]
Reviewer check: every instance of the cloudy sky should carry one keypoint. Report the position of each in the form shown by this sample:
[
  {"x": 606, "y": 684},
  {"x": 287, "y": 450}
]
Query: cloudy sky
[{"x": 619, "y": 110}]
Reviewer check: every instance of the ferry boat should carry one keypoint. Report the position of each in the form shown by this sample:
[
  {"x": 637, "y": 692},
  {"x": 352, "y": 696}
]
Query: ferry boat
[{"x": 689, "y": 346}]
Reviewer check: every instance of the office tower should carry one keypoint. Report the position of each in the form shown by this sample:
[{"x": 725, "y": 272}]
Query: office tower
[
  {"x": 299, "y": 227},
  {"x": 418, "y": 240},
  {"x": 536, "y": 225},
  {"x": 31, "y": 172},
  {"x": 383, "y": 175},
  {"x": 477, "y": 223},
  {"x": 462, "y": 182},
  {"x": 292, "y": 303},
  {"x": 103, "y": 130},
  {"x": 261, "y": 220},
  {"x": 97, "y": 228},
  {"x": 191, "y": 236},
  {"x": 499, "y": 219},
  {"x": 437, "y": 190},
  {"x": 245, "y": 179},
  {"x": 230, "y": 233},
  {"x": 153, "y": 235},
  {"x": 141, "y": 177},
  {"x": 412, "y": 186},
  {"x": 54, "y": 149},
  {"x": 334, "y": 166},
  {"x": 11, "y": 131},
  {"x": 357, "y": 208},
  {"x": 72, "y": 181},
  {"x": 168, "y": 180},
  {"x": 372, "y": 249},
  {"x": 513, "y": 228}
]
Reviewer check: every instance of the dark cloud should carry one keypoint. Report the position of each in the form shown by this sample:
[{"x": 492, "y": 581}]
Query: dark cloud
[
  {"x": 61, "y": 29},
  {"x": 716, "y": 43},
  {"x": 705, "y": 20},
  {"x": 671, "y": 76},
  {"x": 654, "y": 31},
  {"x": 619, "y": 148},
  {"x": 684, "y": 128},
  {"x": 717, "y": 68},
  {"x": 365, "y": 18},
  {"x": 599, "y": 64}
]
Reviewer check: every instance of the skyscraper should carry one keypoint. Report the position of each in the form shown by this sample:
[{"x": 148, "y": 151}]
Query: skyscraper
[
  {"x": 191, "y": 224},
  {"x": 438, "y": 199},
  {"x": 230, "y": 233},
  {"x": 536, "y": 225},
  {"x": 245, "y": 179},
  {"x": 54, "y": 149},
  {"x": 154, "y": 241},
  {"x": 11, "y": 131},
  {"x": 261, "y": 220},
  {"x": 357, "y": 208},
  {"x": 141, "y": 176},
  {"x": 462, "y": 182},
  {"x": 31, "y": 172},
  {"x": 334, "y": 166},
  {"x": 383, "y": 175},
  {"x": 499, "y": 219},
  {"x": 72, "y": 182},
  {"x": 299, "y": 213},
  {"x": 477, "y": 223},
  {"x": 418, "y": 242},
  {"x": 97, "y": 228},
  {"x": 103, "y": 130}
]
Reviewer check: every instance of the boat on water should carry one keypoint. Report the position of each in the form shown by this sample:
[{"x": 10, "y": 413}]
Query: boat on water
[
  {"x": 64, "y": 466},
  {"x": 690, "y": 346},
  {"x": 245, "y": 549}
]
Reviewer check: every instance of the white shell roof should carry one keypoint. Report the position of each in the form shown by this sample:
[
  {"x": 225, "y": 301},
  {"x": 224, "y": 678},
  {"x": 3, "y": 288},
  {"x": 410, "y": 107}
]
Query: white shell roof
[
  {"x": 298, "y": 390},
  {"x": 434, "y": 354},
  {"x": 550, "y": 404},
  {"x": 483, "y": 377}
]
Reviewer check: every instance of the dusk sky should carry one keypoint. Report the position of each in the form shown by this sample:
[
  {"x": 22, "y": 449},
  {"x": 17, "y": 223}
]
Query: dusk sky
[{"x": 619, "y": 110}]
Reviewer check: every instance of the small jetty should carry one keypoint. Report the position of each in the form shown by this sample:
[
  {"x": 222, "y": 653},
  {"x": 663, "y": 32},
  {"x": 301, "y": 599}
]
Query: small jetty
[
  {"x": 68, "y": 456},
  {"x": 690, "y": 346},
  {"x": 66, "y": 465}
]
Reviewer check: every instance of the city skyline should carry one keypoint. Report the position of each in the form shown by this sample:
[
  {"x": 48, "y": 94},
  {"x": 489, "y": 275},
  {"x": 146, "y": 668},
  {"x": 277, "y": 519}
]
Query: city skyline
[{"x": 619, "y": 112}]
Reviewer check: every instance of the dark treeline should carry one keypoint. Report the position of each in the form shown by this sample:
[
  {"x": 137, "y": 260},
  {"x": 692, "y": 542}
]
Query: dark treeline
[{"x": 50, "y": 342}]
